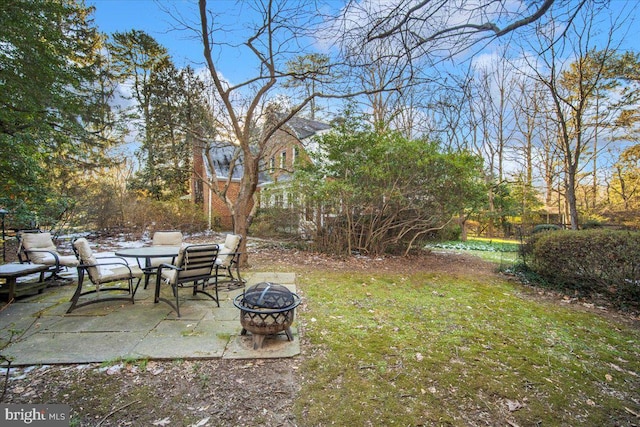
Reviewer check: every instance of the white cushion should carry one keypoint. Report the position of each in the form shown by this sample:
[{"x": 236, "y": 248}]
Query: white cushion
[
  {"x": 38, "y": 241},
  {"x": 104, "y": 273},
  {"x": 227, "y": 251},
  {"x": 44, "y": 242},
  {"x": 171, "y": 275},
  {"x": 68, "y": 260},
  {"x": 167, "y": 238},
  {"x": 87, "y": 258}
]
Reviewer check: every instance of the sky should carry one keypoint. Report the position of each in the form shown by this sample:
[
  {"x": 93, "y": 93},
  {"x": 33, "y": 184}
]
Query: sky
[
  {"x": 148, "y": 15},
  {"x": 165, "y": 21},
  {"x": 153, "y": 17},
  {"x": 184, "y": 48}
]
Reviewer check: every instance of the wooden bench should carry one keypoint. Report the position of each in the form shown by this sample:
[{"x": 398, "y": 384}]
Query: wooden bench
[{"x": 11, "y": 272}]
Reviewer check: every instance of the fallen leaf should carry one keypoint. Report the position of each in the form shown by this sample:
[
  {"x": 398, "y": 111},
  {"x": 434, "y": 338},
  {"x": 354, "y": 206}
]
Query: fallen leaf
[
  {"x": 201, "y": 423},
  {"x": 162, "y": 422},
  {"x": 616, "y": 367},
  {"x": 608, "y": 377},
  {"x": 632, "y": 412},
  {"x": 514, "y": 405},
  {"x": 419, "y": 357}
]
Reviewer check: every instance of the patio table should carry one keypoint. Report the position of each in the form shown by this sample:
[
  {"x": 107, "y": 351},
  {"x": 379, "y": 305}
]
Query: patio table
[
  {"x": 11, "y": 272},
  {"x": 147, "y": 253}
]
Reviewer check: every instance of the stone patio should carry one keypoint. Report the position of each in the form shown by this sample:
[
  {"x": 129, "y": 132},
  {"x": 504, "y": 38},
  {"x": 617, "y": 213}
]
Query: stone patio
[{"x": 41, "y": 333}]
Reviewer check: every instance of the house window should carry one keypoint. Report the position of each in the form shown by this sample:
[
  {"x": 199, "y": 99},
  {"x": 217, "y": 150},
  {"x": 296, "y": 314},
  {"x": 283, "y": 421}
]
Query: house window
[
  {"x": 296, "y": 154},
  {"x": 283, "y": 160},
  {"x": 272, "y": 164},
  {"x": 291, "y": 200}
]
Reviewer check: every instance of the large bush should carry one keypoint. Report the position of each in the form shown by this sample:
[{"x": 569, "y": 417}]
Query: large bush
[
  {"x": 379, "y": 192},
  {"x": 589, "y": 262}
]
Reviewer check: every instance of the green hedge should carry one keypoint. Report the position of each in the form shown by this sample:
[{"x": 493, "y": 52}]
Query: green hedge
[{"x": 589, "y": 262}]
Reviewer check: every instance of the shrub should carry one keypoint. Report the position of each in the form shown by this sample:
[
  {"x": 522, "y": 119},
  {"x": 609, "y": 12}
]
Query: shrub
[
  {"x": 152, "y": 215},
  {"x": 591, "y": 223},
  {"x": 604, "y": 262},
  {"x": 276, "y": 222},
  {"x": 545, "y": 227},
  {"x": 450, "y": 232}
]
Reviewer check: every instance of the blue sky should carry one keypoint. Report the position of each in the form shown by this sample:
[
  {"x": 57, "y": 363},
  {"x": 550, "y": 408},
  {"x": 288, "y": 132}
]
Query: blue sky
[
  {"x": 151, "y": 16},
  {"x": 158, "y": 19},
  {"x": 147, "y": 15}
]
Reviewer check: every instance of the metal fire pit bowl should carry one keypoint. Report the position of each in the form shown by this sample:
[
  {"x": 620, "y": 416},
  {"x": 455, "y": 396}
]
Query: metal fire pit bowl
[{"x": 266, "y": 309}]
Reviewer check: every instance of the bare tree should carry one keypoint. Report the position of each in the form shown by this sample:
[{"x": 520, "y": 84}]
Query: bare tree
[
  {"x": 573, "y": 72},
  {"x": 443, "y": 28},
  {"x": 451, "y": 112},
  {"x": 246, "y": 110},
  {"x": 280, "y": 33}
]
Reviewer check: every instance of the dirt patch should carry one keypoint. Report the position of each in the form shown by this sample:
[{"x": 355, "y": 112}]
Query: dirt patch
[
  {"x": 264, "y": 258},
  {"x": 180, "y": 393}
]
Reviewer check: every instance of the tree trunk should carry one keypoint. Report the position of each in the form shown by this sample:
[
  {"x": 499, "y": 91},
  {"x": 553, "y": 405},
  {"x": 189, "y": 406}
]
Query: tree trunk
[
  {"x": 462, "y": 220},
  {"x": 570, "y": 190},
  {"x": 243, "y": 205}
]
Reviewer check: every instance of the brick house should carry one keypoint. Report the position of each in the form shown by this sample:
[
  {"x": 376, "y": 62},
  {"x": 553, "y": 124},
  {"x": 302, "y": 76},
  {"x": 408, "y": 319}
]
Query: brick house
[{"x": 286, "y": 149}]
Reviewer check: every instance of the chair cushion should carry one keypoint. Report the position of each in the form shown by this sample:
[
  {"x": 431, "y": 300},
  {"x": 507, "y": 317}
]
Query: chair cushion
[
  {"x": 188, "y": 271},
  {"x": 39, "y": 242},
  {"x": 87, "y": 258},
  {"x": 113, "y": 272},
  {"x": 155, "y": 262},
  {"x": 170, "y": 275},
  {"x": 167, "y": 238},
  {"x": 226, "y": 252},
  {"x": 68, "y": 260},
  {"x": 110, "y": 272}
]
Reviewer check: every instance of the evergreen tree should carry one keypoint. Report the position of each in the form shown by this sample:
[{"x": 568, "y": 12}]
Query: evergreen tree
[
  {"x": 135, "y": 56},
  {"x": 51, "y": 102}
]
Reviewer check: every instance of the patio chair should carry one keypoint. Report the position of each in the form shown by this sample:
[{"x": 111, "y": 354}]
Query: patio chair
[
  {"x": 229, "y": 260},
  {"x": 194, "y": 268},
  {"x": 162, "y": 238},
  {"x": 102, "y": 270},
  {"x": 167, "y": 238},
  {"x": 37, "y": 247}
]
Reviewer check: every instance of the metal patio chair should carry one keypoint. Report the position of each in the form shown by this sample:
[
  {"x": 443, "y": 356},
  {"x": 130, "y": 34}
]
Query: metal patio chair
[
  {"x": 37, "y": 247},
  {"x": 194, "y": 268},
  {"x": 102, "y": 270},
  {"x": 228, "y": 261}
]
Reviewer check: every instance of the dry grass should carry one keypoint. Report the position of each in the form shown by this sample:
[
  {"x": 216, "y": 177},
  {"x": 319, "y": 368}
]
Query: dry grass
[{"x": 443, "y": 349}]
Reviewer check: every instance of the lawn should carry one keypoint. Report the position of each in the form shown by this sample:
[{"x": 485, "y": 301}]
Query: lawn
[{"x": 438, "y": 349}]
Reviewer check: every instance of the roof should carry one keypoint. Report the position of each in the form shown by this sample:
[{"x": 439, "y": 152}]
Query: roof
[
  {"x": 221, "y": 153},
  {"x": 305, "y": 128}
]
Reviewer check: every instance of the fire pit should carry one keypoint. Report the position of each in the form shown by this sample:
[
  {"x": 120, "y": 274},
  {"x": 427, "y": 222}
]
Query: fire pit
[{"x": 266, "y": 309}]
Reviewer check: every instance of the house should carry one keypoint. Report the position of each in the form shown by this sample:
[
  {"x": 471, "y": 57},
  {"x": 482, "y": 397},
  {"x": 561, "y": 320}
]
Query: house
[{"x": 287, "y": 148}]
